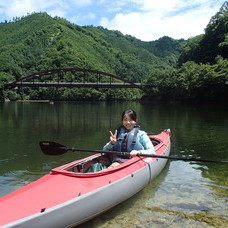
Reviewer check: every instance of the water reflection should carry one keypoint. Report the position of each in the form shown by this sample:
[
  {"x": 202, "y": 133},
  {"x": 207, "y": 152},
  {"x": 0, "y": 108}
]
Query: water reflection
[{"x": 188, "y": 191}]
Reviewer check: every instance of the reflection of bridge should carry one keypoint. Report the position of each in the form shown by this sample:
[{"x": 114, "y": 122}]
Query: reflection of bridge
[{"x": 73, "y": 78}]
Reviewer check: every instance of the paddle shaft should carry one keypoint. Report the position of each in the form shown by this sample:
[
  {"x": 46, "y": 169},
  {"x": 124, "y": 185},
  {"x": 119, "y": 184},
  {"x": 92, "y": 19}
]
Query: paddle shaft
[
  {"x": 145, "y": 155},
  {"x": 53, "y": 148}
]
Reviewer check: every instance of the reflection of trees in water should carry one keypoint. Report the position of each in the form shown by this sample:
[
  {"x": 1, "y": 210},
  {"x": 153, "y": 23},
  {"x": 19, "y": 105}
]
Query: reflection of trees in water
[
  {"x": 199, "y": 130},
  {"x": 194, "y": 127},
  {"x": 60, "y": 118}
]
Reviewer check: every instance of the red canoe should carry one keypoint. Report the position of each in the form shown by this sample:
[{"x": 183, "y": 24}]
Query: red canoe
[{"x": 67, "y": 197}]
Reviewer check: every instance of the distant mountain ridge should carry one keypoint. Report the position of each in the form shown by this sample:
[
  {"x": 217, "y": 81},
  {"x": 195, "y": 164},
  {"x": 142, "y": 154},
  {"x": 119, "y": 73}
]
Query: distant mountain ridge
[{"x": 39, "y": 42}]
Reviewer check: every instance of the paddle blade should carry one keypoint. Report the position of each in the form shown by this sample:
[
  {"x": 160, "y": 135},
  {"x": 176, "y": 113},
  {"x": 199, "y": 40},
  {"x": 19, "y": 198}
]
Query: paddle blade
[{"x": 52, "y": 148}]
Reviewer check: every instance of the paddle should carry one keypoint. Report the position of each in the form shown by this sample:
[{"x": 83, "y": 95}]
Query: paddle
[{"x": 53, "y": 148}]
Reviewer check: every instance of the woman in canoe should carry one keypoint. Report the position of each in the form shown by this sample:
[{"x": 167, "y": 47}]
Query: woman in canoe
[{"x": 128, "y": 138}]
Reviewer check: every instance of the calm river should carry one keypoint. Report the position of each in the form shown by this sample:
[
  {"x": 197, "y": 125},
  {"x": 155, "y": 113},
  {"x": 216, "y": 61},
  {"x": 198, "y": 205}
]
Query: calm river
[{"x": 184, "y": 195}]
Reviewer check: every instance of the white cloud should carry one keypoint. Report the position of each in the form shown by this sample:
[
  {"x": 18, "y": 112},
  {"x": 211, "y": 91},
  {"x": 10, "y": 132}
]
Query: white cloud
[
  {"x": 78, "y": 18},
  {"x": 81, "y": 3},
  {"x": 57, "y": 12},
  {"x": 144, "y": 19},
  {"x": 17, "y": 8},
  {"x": 173, "y": 5},
  {"x": 154, "y": 19}
]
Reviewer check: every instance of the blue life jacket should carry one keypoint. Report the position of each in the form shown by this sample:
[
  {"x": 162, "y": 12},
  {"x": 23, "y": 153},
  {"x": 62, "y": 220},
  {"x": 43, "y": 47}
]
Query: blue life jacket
[{"x": 127, "y": 140}]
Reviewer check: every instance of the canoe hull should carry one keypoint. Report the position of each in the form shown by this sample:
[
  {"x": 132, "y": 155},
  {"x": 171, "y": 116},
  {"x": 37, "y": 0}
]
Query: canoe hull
[
  {"x": 81, "y": 209},
  {"x": 85, "y": 206}
]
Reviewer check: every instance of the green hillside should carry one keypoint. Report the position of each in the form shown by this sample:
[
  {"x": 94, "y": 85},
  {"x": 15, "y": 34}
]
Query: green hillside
[
  {"x": 169, "y": 69},
  {"x": 38, "y": 42}
]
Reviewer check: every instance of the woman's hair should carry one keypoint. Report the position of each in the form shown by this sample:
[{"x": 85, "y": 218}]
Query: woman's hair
[{"x": 131, "y": 113}]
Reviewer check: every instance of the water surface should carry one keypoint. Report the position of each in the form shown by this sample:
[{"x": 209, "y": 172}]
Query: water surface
[{"x": 184, "y": 195}]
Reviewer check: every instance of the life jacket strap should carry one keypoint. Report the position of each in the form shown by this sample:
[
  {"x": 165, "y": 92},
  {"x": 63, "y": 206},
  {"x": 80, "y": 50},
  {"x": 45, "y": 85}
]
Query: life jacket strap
[{"x": 124, "y": 143}]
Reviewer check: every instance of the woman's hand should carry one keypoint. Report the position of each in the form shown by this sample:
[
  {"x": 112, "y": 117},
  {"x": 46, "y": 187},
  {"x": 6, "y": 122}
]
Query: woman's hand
[
  {"x": 113, "y": 137},
  {"x": 135, "y": 153}
]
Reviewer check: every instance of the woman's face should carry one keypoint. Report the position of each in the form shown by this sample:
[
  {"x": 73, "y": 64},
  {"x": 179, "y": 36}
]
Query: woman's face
[{"x": 128, "y": 123}]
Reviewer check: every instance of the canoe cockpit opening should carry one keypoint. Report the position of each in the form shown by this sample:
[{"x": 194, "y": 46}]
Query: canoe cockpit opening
[
  {"x": 99, "y": 162},
  {"x": 154, "y": 141},
  {"x": 92, "y": 165}
]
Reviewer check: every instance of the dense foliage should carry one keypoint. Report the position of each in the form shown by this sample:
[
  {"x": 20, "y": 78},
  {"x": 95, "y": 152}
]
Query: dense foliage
[
  {"x": 202, "y": 73},
  {"x": 190, "y": 82},
  {"x": 38, "y": 42},
  {"x": 169, "y": 69},
  {"x": 205, "y": 48}
]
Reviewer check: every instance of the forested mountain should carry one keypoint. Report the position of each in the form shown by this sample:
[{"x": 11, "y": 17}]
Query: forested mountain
[
  {"x": 167, "y": 49},
  {"x": 39, "y": 42}
]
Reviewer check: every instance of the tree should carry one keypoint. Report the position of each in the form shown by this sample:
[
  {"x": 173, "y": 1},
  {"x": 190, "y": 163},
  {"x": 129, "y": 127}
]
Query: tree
[{"x": 205, "y": 48}]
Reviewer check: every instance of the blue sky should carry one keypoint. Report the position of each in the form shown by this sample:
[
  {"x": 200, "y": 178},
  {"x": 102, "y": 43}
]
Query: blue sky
[{"x": 144, "y": 19}]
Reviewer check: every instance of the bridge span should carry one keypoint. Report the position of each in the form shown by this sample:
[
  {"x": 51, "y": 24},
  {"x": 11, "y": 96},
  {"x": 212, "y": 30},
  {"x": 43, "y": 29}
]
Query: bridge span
[{"x": 73, "y": 78}]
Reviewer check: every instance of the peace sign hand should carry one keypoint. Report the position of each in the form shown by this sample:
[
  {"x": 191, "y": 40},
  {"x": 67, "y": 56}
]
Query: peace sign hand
[{"x": 113, "y": 137}]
